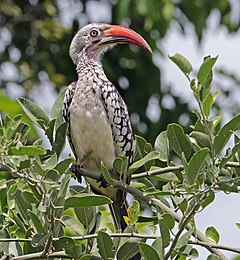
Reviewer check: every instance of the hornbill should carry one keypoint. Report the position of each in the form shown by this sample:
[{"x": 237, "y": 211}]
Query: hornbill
[{"x": 97, "y": 117}]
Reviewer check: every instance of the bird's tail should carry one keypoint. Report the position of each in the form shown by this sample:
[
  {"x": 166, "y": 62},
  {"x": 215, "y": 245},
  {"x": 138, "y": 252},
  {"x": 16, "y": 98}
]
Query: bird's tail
[{"x": 118, "y": 212}]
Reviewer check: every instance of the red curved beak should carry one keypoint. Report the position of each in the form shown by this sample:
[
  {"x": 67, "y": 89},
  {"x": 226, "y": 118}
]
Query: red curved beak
[{"x": 122, "y": 35}]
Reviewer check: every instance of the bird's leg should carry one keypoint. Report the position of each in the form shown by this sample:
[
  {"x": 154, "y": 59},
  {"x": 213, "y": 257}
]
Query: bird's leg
[
  {"x": 103, "y": 182},
  {"x": 76, "y": 169}
]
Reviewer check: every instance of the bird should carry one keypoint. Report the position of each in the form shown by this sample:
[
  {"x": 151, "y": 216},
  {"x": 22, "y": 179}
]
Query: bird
[{"x": 99, "y": 127}]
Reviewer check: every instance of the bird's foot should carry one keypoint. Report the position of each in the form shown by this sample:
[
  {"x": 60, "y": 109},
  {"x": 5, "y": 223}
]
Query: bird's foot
[
  {"x": 103, "y": 182},
  {"x": 76, "y": 169}
]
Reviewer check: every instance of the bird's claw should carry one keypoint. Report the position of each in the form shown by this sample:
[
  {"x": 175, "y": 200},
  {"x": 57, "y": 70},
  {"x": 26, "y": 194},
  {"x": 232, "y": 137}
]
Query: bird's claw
[
  {"x": 103, "y": 182},
  {"x": 76, "y": 169}
]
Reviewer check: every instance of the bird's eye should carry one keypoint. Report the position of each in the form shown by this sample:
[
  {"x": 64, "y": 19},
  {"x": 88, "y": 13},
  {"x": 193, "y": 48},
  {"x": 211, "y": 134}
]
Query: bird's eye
[{"x": 94, "y": 33}]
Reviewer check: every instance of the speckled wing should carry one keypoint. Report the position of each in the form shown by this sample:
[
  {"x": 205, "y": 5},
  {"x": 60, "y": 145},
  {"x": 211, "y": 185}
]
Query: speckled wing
[
  {"x": 119, "y": 120},
  {"x": 65, "y": 111}
]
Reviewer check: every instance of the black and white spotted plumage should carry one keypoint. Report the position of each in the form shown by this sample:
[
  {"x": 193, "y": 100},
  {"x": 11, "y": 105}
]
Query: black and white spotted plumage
[
  {"x": 97, "y": 117},
  {"x": 103, "y": 99},
  {"x": 118, "y": 117}
]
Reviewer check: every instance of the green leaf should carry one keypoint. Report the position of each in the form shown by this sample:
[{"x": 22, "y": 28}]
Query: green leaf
[
  {"x": 86, "y": 200},
  {"x": 29, "y": 197},
  {"x": 158, "y": 246},
  {"x": 87, "y": 216},
  {"x": 193, "y": 254},
  {"x": 206, "y": 69},
  {"x": 179, "y": 142},
  {"x": 35, "y": 113},
  {"x": 120, "y": 165},
  {"x": 51, "y": 176},
  {"x": 212, "y": 234},
  {"x": 36, "y": 222},
  {"x": 209, "y": 199},
  {"x": 49, "y": 130},
  {"x": 19, "y": 222},
  {"x": 58, "y": 104},
  {"x": 134, "y": 212},
  {"x": 229, "y": 156},
  {"x": 105, "y": 246},
  {"x": 23, "y": 206},
  {"x": 25, "y": 164},
  {"x": 73, "y": 224},
  {"x": 149, "y": 157},
  {"x": 106, "y": 174},
  {"x": 183, "y": 64},
  {"x": 60, "y": 139},
  {"x": 216, "y": 120},
  {"x": 183, "y": 205},
  {"x": 162, "y": 146},
  {"x": 202, "y": 139},
  {"x": 148, "y": 252},
  {"x": 64, "y": 242},
  {"x": 207, "y": 104},
  {"x": 166, "y": 177},
  {"x": 183, "y": 240},
  {"x": 225, "y": 133},
  {"x": 138, "y": 185},
  {"x": 63, "y": 165},
  {"x": 168, "y": 220},
  {"x": 39, "y": 239},
  {"x": 129, "y": 249},
  {"x": 74, "y": 251},
  {"x": 165, "y": 233},
  {"x": 51, "y": 162},
  {"x": 28, "y": 150},
  {"x": 141, "y": 147},
  {"x": 195, "y": 165}
]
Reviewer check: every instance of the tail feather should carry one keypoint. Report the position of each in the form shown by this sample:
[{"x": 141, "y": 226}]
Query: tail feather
[{"x": 118, "y": 212}]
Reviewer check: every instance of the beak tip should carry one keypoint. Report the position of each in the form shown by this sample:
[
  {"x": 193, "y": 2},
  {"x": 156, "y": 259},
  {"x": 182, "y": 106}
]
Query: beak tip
[{"x": 129, "y": 34}]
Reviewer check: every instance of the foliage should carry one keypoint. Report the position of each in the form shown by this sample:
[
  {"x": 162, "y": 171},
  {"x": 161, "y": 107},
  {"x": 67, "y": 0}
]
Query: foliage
[
  {"x": 39, "y": 54},
  {"x": 44, "y": 215}
]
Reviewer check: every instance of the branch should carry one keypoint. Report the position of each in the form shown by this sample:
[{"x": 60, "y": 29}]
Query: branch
[
  {"x": 183, "y": 225},
  {"x": 39, "y": 255},
  {"x": 173, "y": 169},
  {"x": 207, "y": 245},
  {"x": 152, "y": 201},
  {"x": 157, "y": 172}
]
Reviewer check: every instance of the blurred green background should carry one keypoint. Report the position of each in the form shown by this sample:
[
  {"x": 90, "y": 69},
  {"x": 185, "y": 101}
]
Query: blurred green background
[{"x": 35, "y": 37}]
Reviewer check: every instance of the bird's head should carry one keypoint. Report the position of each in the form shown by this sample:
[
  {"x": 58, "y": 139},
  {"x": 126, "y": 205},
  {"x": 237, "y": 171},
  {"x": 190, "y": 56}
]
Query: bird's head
[{"x": 93, "y": 39}]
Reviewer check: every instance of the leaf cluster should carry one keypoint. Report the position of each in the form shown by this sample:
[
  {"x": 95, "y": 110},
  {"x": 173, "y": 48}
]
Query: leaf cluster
[{"x": 43, "y": 214}]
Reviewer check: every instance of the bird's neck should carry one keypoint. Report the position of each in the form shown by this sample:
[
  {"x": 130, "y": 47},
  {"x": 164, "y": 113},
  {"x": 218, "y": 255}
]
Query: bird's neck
[{"x": 88, "y": 65}]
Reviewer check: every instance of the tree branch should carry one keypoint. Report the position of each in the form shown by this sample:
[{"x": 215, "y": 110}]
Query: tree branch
[
  {"x": 157, "y": 172},
  {"x": 207, "y": 245},
  {"x": 39, "y": 255},
  {"x": 173, "y": 169},
  {"x": 152, "y": 201}
]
